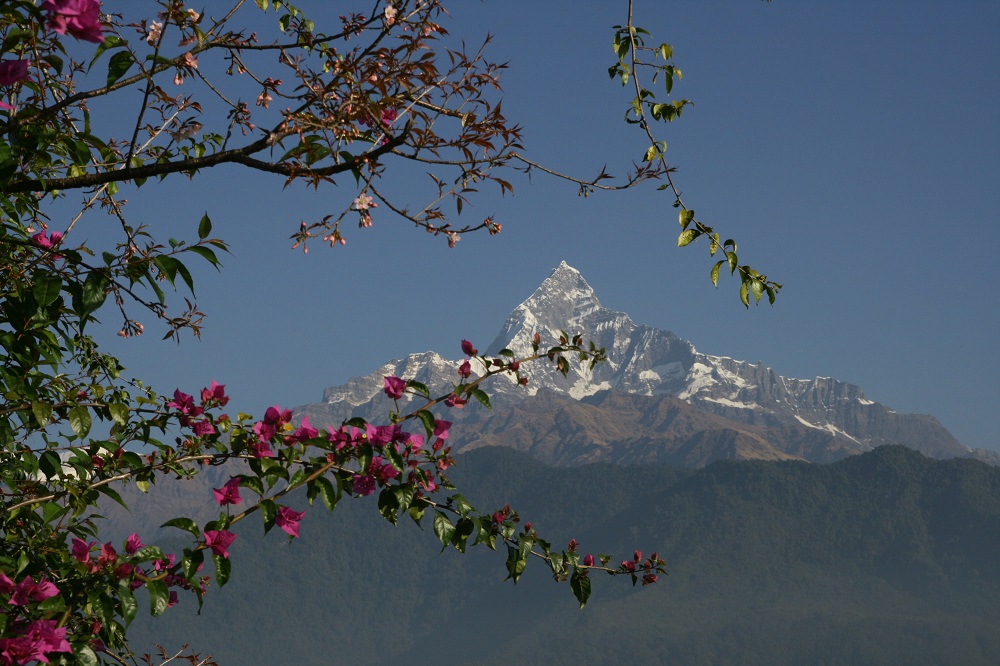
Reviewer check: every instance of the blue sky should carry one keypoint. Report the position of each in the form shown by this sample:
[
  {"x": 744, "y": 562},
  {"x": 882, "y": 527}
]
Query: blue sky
[{"x": 850, "y": 147}]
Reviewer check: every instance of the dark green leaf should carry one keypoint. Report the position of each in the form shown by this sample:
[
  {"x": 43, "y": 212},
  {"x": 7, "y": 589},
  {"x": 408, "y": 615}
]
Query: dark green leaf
[
  {"x": 580, "y": 584},
  {"x": 119, "y": 65},
  {"x": 159, "y": 596},
  {"x": 443, "y": 529},
  {"x": 47, "y": 288},
  {"x": 185, "y": 524},
  {"x": 204, "y": 227},
  {"x": 79, "y": 421},
  {"x": 223, "y": 569},
  {"x": 481, "y": 396}
]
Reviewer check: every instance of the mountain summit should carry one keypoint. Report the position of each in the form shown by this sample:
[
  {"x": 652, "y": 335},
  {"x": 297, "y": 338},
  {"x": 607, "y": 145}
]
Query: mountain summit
[{"x": 656, "y": 398}]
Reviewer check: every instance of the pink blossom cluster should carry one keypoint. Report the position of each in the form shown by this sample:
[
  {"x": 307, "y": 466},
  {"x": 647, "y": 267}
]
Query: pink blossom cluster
[{"x": 79, "y": 18}]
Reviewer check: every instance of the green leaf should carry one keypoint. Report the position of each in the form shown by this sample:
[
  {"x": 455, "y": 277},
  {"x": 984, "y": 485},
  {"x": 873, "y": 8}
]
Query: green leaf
[
  {"x": 79, "y": 420},
  {"x": 388, "y": 505},
  {"x": 159, "y": 596},
  {"x": 685, "y": 217},
  {"x": 745, "y": 293},
  {"x": 95, "y": 291},
  {"x": 515, "y": 564},
  {"x": 715, "y": 271},
  {"x": 733, "y": 261},
  {"x": 119, "y": 65},
  {"x": 580, "y": 584},
  {"x": 428, "y": 420},
  {"x": 129, "y": 606},
  {"x": 268, "y": 511},
  {"x": 328, "y": 492},
  {"x": 119, "y": 413},
  {"x": 686, "y": 237},
  {"x": 443, "y": 529},
  {"x": 223, "y": 569},
  {"x": 185, "y": 524},
  {"x": 85, "y": 656},
  {"x": 42, "y": 412},
  {"x": 204, "y": 227},
  {"x": 481, "y": 396},
  {"x": 757, "y": 289},
  {"x": 46, "y": 289},
  {"x": 205, "y": 253}
]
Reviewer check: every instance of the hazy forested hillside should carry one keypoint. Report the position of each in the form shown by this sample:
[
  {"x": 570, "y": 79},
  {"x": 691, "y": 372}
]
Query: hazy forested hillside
[{"x": 887, "y": 557}]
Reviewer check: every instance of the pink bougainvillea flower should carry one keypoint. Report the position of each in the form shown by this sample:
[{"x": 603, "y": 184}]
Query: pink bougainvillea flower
[
  {"x": 202, "y": 428},
  {"x": 441, "y": 428},
  {"x": 288, "y": 520},
  {"x": 465, "y": 370},
  {"x": 261, "y": 449},
  {"x": 388, "y": 116},
  {"x": 265, "y": 430},
  {"x": 41, "y": 637},
  {"x": 277, "y": 416},
  {"x": 215, "y": 393},
  {"x": 12, "y": 71},
  {"x": 229, "y": 493},
  {"x": 649, "y": 579},
  {"x": 81, "y": 550},
  {"x": 48, "y": 242},
  {"x": 6, "y": 584},
  {"x": 28, "y": 590},
  {"x": 305, "y": 431},
  {"x": 219, "y": 541},
  {"x": 184, "y": 403},
  {"x": 588, "y": 560},
  {"x": 363, "y": 485},
  {"x": 628, "y": 566},
  {"x": 456, "y": 402},
  {"x": 394, "y": 387},
  {"x": 381, "y": 435},
  {"x": 468, "y": 349},
  {"x": 79, "y": 18}
]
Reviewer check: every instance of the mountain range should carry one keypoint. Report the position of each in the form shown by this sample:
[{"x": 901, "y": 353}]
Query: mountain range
[{"x": 655, "y": 399}]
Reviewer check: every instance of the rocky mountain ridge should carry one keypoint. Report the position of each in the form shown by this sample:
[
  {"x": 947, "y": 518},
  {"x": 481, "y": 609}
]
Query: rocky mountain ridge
[{"x": 756, "y": 412}]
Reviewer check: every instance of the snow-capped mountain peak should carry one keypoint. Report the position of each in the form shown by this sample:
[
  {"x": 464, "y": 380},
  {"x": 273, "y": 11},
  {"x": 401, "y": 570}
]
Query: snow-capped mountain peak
[{"x": 644, "y": 361}]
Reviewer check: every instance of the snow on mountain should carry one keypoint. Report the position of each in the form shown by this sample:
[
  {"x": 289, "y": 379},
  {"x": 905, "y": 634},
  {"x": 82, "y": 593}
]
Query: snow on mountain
[{"x": 650, "y": 362}]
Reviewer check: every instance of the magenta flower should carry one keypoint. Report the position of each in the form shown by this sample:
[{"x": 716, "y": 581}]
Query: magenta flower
[
  {"x": 468, "y": 349},
  {"x": 288, "y": 520},
  {"x": 216, "y": 393},
  {"x": 261, "y": 449},
  {"x": 28, "y": 590},
  {"x": 202, "y": 428},
  {"x": 184, "y": 403},
  {"x": 6, "y": 584},
  {"x": 394, "y": 387},
  {"x": 265, "y": 430},
  {"x": 12, "y": 71},
  {"x": 81, "y": 550},
  {"x": 229, "y": 493},
  {"x": 305, "y": 431},
  {"x": 79, "y": 18},
  {"x": 465, "y": 370},
  {"x": 277, "y": 416},
  {"x": 649, "y": 579},
  {"x": 41, "y": 637},
  {"x": 441, "y": 428},
  {"x": 48, "y": 242},
  {"x": 380, "y": 435},
  {"x": 388, "y": 116},
  {"x": 219, "y": 541},
  {"x": 588, "y": 560},
  {"x": 363, "y": 485}
]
